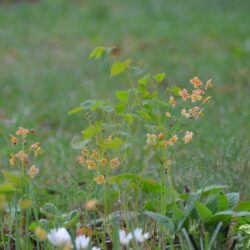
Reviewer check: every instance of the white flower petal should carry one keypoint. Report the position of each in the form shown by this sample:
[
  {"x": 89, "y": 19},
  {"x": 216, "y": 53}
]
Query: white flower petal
[
  {"x": 82, "y": 242},
  {"x": 59, "y": 237},
  {"x": 139, "y": 237},
  {"x": 96, "y": 248},
  {"x": 125, "y": 239}
]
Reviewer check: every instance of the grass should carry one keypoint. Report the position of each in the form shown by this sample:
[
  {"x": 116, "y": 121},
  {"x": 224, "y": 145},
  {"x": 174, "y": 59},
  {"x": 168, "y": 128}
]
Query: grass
[{"x": 44, "y": 72}]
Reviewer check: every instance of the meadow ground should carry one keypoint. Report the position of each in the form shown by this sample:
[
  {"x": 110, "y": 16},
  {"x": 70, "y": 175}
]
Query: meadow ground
[{"x": 44, "y": 72}]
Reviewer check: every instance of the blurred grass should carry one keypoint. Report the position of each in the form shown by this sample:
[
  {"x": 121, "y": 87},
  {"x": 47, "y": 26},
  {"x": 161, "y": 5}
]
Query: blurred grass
[{"x": 44, "y": 72}]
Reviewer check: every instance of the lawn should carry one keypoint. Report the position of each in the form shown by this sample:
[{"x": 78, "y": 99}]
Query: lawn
[{"x": 45, "y": 72}]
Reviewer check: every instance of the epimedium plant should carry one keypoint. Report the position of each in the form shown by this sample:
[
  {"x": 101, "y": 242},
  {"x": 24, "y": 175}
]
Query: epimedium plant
[
  {"x": 163, "y": 116},
  {"x": 17, "y": 195},
  {"x": 126, "y": 153}
]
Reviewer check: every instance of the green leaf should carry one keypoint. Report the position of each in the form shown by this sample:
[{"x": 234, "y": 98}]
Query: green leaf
[
  {"x": 103, "y": 105},
  {"x": 144, "y": 81},
  {"x": 122, "y": 96},
  {"x": 120, "y": 108},
  {"x": 119, "y": 67},
  {"x": 14, "y": 177},
  {"x": 178, "y": 215},
  {"x": 75, "y": 110},
  {"x": 97, "y": 52},
  {"x": 206, "y": 190},
  {"x": 92, "y": 130},
  {"x": 159, "y": 77},
  {"x": 144, "y": 115},
  {"x": 50, "y": 211},
  {"x": 174, "y": 90},
  {"x": 107, "y": 108},
  {"x": 152, "y": 205},
  {"x": 78, "y": 143},
  {"x": 243, "y": 206},
  {"x": 188, "y": 210},
  {"x": 117, "y": 142},
  {"x": 233, "y": 200},
  {"x": 88, "y": 104},
  {"x": 165, "y": 104},
  {"x": 227, "y": 215},
  {"x": 7, "y": 187},
  {"x": 203, "y": 212},
  {"x": 96, "y": 105},
  {"x": 136, "y": 71},
  {"x": 161, "y": 220},
  {"x": 129, "y": 118},
  {"x": 33, "y": 226},
  {"x": 71, "y": 219},
  {"x": 217, "y": 202}
]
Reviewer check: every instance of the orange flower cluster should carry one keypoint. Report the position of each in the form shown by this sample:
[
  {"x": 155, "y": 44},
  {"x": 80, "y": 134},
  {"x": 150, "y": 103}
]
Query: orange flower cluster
[
  {"x": 197, "y": 93},
  {"x": 24, "y": 156},
  {"x": 171, "y": 141},
  {"x": 194, "y": 112},
  {"x": 22, "y": 132},
  {"x": 93, "y": 160},
  {"x": 33, "y": 171},
  {"x": 152, "y": 139},
  {"x": 184, "y": 94},
  {"x": 188, "y": 137}
]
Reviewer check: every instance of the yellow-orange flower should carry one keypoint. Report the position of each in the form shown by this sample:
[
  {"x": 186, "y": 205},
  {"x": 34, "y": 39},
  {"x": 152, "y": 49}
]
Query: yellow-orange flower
[
  {"x": 198, "y": 91},
  {"x": 33, "y": 171},
  {"x": 22, "y": 132},
  {"x": 104, "y": 162},
  {"x": 173, "y": 140},
  {"x": 13, "y": 140},
  {"x": 194, "y": 112},
  {"x": 184, "y": 94},
  {"x": 151, "y": 139},
  {"x": 161, "y": 136},
  {"x": 206, "y": 100},
  {"x": 188, "y": 137},
  {"x": 91, "y": 204},
  {"x": 185, "y": 113},
  {"x": 208, "y": 84},
  {"x": 91, "y": 164},
  {"x": 100, "y": 179},
  {"x": 38, "y": 151},
  {"x": 196, "y": 97},
  {"x": 115, "y": 163},
  {"x": 34, "y": 146},
  {"x": 81, "y": 159},
  {"x": 12, "y": 160},
  {"x": 85, "y": 152},
  {"x": 172, "y": 101},
  {"x": 41, "y": 233},
  {"x": 168, "y": 114},
  {"x": 196, "y": 82},
  {"x": 21, "y": 155},
  {"x": 94, "y": 154}
]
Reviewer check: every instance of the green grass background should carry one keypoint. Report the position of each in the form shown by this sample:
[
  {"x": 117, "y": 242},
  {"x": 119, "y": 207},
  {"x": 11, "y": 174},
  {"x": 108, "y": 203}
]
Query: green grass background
[{"x": 44, "y": 72}]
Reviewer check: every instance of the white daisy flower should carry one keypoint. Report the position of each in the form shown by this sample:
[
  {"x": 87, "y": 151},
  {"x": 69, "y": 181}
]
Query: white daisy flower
[
  {"x": 125, "y": 238},
  {"x": 82, "y": 242},
  {"x": 59, "y": 237},
  {"x": 96, "y": 248},
  {"x": 139, "y": 237}
]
